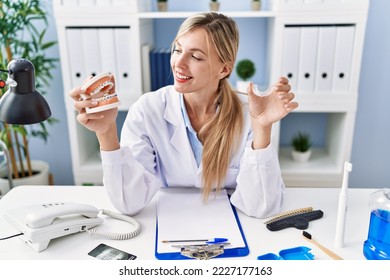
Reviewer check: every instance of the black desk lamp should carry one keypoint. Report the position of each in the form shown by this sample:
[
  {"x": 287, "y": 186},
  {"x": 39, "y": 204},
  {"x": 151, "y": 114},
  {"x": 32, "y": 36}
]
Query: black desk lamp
[{"x": 22, "y": 103}]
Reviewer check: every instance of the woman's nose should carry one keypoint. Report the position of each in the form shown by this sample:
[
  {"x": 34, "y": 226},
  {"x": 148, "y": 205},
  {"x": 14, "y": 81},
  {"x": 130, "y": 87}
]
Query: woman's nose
[{"x": 178, "y": 61}]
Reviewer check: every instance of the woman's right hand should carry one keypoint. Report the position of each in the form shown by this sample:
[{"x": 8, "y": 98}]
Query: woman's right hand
[
  {"x": 99, "y": 122},
  {"x": 102, "y": 123}
]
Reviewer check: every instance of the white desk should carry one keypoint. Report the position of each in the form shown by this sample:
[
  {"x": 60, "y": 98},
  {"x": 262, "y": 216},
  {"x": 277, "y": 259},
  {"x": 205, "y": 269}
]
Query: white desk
[{"x": 260, "y": 239}]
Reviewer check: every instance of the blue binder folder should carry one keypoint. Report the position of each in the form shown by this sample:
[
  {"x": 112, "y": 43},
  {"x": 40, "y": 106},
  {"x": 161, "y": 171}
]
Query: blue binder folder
[
  {"x": 182, "y": 215},
  {"x": 153, "y": 70},
  {"x": 160, "y": 68}
]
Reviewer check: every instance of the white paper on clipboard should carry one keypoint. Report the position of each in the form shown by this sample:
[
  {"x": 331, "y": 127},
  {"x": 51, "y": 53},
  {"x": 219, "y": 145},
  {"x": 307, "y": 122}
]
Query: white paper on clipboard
[{"x": 183, "y": 215}]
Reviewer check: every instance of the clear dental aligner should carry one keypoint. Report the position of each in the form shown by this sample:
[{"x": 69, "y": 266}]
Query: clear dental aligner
[{"x": 256, "y": 90}]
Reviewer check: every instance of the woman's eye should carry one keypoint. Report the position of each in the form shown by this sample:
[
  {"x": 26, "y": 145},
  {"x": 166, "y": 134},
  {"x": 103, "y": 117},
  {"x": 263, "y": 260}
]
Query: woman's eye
[{"x": 195, "y": 57}]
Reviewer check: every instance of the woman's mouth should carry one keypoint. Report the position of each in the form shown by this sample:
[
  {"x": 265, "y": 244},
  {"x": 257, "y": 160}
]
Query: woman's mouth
[{"x": 182, "y": 78}]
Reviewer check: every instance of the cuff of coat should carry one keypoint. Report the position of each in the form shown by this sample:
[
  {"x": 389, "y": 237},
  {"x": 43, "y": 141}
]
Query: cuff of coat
[
  {"x": 115, "y": 157},
  {"x": 259, "y": 156}
]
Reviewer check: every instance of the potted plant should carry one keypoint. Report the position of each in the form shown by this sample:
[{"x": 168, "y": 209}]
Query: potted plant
[
  {"x": 162, "y": 5},
  {"x": 245, "y": 70},
  {"x": 214, "y": 5},
  {"x": 256, "y": 5},
  {"x": 301, "y": 143},
  {"x": 20, "y": 38}
]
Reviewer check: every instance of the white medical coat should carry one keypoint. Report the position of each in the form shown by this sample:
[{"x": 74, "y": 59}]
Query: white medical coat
[{"x": 155, "y": 152}]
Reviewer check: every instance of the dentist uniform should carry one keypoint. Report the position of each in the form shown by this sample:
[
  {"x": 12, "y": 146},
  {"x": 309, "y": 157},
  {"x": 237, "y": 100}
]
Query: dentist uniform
[{"x": 156, "y": 152}]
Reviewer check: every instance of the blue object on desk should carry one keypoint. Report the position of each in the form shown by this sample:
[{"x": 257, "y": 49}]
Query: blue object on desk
[
  {"x": 296, "y": 253},
  {"x": 377, "y": 245}
]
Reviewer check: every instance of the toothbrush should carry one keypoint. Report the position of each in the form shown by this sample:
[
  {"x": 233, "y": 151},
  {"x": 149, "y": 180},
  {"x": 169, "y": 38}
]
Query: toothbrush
[
  {"x": 331, "y": 254},
  {"x": 342, "y": 210}
]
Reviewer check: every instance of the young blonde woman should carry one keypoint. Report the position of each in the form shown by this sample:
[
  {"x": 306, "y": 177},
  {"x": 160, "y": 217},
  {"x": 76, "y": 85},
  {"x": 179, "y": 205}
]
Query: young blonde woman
[{"x": 198, "y": 132}]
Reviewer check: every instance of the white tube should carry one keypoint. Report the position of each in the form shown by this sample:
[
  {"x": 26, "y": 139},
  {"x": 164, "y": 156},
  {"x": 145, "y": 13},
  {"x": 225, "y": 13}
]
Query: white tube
[{"x": 342, "y": 209}]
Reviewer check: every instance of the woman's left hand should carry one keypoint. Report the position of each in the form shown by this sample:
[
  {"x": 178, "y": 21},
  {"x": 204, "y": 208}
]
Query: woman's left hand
[{"x": 268, "y": 109}]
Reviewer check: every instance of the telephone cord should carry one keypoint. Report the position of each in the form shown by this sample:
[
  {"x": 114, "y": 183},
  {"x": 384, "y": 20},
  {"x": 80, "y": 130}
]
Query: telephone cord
[
  {"x": 11, "y": 236},
  {"x": 117, "y": 236}
]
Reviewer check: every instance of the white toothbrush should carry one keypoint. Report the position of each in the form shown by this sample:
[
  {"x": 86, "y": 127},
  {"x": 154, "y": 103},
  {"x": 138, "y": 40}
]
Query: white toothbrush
[{"x": 342, "y": 210}]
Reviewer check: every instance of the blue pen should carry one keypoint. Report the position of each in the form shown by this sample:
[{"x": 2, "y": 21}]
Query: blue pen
[{"x": 207, "y": 241}]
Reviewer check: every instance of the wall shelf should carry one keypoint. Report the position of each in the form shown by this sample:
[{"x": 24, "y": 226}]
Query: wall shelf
[
  {"x": 277, "y": 55},
  {"x": 321, "y": 162},
  {"x": 235, "y": 14}
]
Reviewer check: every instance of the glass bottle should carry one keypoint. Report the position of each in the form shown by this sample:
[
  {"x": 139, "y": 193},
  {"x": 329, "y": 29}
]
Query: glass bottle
[{"x": 377, "y": 245}]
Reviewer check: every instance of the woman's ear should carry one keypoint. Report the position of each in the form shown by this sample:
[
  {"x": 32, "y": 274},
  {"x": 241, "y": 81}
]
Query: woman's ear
[{"x": 225, "y": 72}]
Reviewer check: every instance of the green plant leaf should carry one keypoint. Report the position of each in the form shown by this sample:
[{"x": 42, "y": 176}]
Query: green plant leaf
[
  {"x": 301, "y": 142},
  {"x": 23, "y": 27},
  {"x": 245, "y": 69}
]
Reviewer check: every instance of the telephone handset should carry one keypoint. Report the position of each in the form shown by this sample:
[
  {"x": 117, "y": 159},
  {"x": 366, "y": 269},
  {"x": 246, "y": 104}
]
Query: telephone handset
[
  {"x": 40, "y": 223},
  {"x": 43, "y": 215}
]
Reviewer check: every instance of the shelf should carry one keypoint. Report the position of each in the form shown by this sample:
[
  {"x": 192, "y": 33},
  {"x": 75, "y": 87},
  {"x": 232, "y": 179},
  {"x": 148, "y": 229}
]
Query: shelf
[
  {"x": 321, "y": 162},
  {"x": 236, "y": 14},
  {"x": 322, "y": 169},
  {"x": 90, "y": 171},
  {"x": 93, "y": 162},
  {"x": 329, "y": 102}
]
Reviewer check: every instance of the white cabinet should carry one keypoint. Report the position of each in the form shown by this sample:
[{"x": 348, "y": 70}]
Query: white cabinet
[
  {"x": 317, "y": 44},
  {"x": 94, "y": 37}
]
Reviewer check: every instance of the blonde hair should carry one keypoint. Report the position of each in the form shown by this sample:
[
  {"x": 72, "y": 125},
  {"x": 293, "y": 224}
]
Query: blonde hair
[{"x": 220, "y": 135}]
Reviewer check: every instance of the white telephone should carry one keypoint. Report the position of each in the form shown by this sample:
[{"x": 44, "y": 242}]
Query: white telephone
[{"x": 40, "y": 223}]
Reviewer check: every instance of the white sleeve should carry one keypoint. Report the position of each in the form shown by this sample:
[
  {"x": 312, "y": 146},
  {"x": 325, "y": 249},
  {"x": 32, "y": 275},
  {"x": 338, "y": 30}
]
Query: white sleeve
[
  {"x": 129, "y": 185},
  {"x": 130, "y": 174},
  {"x": 260, "y": 187}
]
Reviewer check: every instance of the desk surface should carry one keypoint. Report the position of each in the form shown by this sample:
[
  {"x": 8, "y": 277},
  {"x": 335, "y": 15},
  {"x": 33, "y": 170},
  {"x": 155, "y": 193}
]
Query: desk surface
[{"x": 260, "y": 239}]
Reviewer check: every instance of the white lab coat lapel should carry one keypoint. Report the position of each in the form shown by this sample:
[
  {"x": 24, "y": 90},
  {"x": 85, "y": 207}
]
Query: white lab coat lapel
[{"x": 179, "y": 138}]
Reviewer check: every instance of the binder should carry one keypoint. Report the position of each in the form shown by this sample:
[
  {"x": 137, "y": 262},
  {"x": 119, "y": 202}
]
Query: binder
[
  {"x": 290, "y": 56},
  {"x": 91, "y": 51},
  {"x": 343, "y": 58},
  {"x": 103, "y": 3},
  {"x": 70, "y": 3},
  {"x": 307, "y": 57},
  {"x": 124, "y": 60},
  {"x": 75, "y": 54},
  {"x": 183, "y": 215},
  {"x": 167, "y": 66},
  {"x": 86, "y": 3},
  {"x": 161, "y": 69},
  {"x": 153, "y": 69},
  {"x": 108, "y": 52},
  {"x": 325, "y": 59},
  {"x": 145, "y": 57}
]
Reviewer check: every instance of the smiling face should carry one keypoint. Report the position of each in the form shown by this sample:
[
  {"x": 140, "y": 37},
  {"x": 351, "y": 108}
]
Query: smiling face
[{"x": 195, "y": 64}]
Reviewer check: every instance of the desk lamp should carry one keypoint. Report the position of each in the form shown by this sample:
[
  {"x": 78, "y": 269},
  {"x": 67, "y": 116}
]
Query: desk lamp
[{"x": 22, "y": 103}]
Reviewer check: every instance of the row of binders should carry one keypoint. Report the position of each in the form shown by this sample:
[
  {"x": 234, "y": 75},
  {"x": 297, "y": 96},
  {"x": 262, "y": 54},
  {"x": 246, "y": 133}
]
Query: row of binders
[
  {"x": 160, "y": 68},
  {"x": 318, "y": 59},
  {"x": 94, "y": 50}
]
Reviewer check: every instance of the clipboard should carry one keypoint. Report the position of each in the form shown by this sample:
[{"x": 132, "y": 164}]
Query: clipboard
[{"x": 182, "y": 214}]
